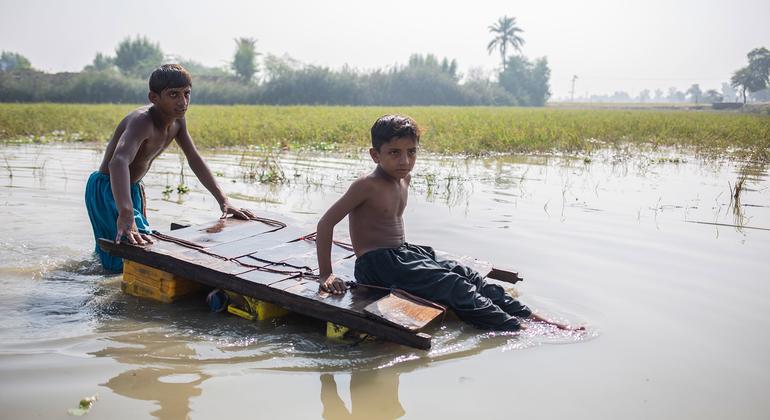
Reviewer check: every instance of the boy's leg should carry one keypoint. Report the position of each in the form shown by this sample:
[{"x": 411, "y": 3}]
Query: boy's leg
[
  {"x": 411, "y": 268},
  {"x": 103, "y": 213},
  {"x": 494, "y": 292},
  {"x": 139, "y": 200}
]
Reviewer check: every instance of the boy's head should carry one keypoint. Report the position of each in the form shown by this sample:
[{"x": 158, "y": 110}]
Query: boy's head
[
  {"x": 394, "y": 144},
  {"x": 169, "y": 76},
  {"x": 390, "y": 127},
  {"x": 170, "y": 88}
]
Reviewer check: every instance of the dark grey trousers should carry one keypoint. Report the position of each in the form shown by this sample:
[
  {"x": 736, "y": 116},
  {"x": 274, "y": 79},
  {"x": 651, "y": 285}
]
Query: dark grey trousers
[{"x": 415, "y": 269}]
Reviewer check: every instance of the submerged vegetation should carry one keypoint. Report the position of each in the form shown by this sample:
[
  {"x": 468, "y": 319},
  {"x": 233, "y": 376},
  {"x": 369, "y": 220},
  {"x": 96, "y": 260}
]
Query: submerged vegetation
[{"x": 476, "y": 130}]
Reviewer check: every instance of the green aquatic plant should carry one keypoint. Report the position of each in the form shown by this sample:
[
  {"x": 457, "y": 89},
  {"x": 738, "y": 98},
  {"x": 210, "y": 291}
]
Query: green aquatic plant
[
  {"x": 8, "y": 166},
  {"x": 84, "y": 406},
  {"x": 265, "y": 170}
]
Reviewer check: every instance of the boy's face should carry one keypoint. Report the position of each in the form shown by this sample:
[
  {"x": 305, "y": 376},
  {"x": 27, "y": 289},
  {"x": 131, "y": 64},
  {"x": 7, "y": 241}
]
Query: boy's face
[
  {"x": 172, "y": 101},
  {"x": 396, "y": 157}
]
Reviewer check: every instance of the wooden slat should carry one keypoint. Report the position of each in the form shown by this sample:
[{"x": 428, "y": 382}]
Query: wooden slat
[
  {"x": 504, "y": 275},
  {"x": 403, "y": 312},
  {"x": 221, "y": 231},
  {"x": 353, "y": 301},
  {"x": 262, "y": 277},
  {"x": 256, "y": 243}
]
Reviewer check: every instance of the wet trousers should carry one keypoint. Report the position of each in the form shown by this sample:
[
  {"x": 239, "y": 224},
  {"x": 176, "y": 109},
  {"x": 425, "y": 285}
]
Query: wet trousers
[
  {"x": 416, "y": 269},
  {"x": 103, "y": 213}
]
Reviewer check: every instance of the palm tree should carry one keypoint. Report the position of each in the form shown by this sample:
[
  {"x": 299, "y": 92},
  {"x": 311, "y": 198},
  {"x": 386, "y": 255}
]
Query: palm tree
[{"x": 506, "y": 34}]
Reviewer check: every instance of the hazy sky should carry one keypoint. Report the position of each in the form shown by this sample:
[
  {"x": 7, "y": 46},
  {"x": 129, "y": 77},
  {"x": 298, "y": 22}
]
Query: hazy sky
[{"x": 609, "y": 45}]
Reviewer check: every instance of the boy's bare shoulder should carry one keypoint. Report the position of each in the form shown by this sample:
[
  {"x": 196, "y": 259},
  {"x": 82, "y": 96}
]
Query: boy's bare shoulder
[
  {"x": 364, "y": 183},
  {"x": 138, "y": 119}
]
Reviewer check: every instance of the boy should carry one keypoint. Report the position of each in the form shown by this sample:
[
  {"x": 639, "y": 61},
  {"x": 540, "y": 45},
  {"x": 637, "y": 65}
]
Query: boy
[
  {"x": 375, "y": 205},
  {"x": 114, "y": 194}
]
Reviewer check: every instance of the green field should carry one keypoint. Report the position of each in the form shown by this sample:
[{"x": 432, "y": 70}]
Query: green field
[{"x": 474, "y": 130}]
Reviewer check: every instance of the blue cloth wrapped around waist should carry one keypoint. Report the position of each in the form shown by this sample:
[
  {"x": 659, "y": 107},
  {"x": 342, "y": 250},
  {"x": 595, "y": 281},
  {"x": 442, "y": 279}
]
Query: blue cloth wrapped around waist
[{"x": 103, "y": 212}]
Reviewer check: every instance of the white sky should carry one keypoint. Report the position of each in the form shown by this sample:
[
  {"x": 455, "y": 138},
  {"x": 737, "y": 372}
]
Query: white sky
[{"x": 610, "y": 45}]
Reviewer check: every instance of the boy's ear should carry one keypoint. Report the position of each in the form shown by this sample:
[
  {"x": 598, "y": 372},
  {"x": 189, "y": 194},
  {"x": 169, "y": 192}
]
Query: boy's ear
[
  {"x": 374, "y": 154},
  {"x": 153, "y": 97}
]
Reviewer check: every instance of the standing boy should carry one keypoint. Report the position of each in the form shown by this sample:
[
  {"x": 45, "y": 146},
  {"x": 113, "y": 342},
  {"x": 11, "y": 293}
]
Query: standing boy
[
  {"x": 114, "y": 194},
  {"x": 375, "y": 205}
]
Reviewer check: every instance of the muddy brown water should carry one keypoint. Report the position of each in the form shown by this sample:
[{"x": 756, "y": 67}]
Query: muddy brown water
[{"x": 649, "y": 250}]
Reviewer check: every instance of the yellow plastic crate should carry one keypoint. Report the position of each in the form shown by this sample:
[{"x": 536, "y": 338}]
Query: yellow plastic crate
[
  {"x": 335, "y": 330},
  {"x": 251, "y": 308},
  {"x": 148, "y": 282},
  {"x": 143, "y": 291}
]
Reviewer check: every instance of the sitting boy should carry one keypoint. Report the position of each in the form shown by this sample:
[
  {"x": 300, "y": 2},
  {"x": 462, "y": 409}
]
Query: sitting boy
[
  {"x": 115, "y": 194},
  {"x": 375, "y": 205}
]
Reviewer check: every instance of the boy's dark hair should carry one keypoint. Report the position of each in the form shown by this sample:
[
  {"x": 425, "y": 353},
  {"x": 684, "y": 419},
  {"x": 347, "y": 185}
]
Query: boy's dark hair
[
  {"x": 169, "y": 76},
  {"x": 389, "y": 127}
]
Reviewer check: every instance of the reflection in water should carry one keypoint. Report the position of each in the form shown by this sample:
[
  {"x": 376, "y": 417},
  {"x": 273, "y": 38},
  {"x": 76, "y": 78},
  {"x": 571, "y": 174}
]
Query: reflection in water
[
  {"x": 373, "y": 395},
  {"x": 172, "y": 389}
]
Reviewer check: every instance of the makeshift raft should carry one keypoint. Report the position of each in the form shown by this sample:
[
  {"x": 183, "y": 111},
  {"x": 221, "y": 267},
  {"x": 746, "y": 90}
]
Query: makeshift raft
[{"x": 267, "y": 260}]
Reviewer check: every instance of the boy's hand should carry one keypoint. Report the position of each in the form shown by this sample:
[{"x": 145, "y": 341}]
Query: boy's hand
[
  {"x": 332, "y": 284},
  {"x": 242, "y": 213},
  {"x": 127, "y": 227}
]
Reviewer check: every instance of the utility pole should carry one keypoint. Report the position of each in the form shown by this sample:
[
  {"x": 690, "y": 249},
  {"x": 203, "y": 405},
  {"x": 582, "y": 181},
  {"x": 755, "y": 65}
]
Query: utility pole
[{"x": 572, "y": 91}]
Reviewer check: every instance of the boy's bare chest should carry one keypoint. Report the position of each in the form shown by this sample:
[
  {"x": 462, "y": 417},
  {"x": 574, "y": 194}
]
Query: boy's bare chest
[
  {"x": 389, "y": 203},
  {"x": 156, "y": 144}
]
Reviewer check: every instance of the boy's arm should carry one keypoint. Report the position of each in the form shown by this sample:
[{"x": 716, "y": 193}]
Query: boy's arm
[
  {"x": 130, "y": 141},
  {"x": 354, "y": 197},
  {"x": 202, "y": 171}
]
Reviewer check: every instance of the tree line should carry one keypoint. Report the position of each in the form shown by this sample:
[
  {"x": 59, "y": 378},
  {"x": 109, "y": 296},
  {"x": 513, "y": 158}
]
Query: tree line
[{"x": 255, "y": 78}]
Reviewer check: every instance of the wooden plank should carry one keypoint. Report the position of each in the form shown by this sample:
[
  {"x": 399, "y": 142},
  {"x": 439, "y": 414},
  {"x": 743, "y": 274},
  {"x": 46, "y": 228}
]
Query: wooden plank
[
  {"x": 262, "y": 277},
  {"x": 353, "y": 301},
  {"x": 403, "y": 312},
  {"x": 302, "y": 252},
  {"x": 504, "y": 275},
  {"x": 221, "y": 231},
  {"x": 252, "y": 244},
  {"x": 305, "y": 304}
]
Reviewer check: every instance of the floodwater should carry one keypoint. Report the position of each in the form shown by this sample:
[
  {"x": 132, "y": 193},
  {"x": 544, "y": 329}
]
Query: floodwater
[{"x": 649, "y": 250}]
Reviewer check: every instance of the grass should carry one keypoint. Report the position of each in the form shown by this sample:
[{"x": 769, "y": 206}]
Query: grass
[{"x": 471, "y": 130}]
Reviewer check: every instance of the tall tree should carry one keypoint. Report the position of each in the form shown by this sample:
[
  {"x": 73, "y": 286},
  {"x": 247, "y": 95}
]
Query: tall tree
[
  {"x": 505, "y": 34},
  {"x": 138, "y": 57},
  {"x": 245, "y": 59},
  {"x": 695, "y": 92},
  {"x": 10, "y": 61},
  {"x": 742, "y": 79},
  {"x": 101, "y": 63},
  {"x": 712, "y": 96},
  {"x": 756, "y": 76},
  {"x": 759, "y": 64},
  {"x": 528, "y": 83}
]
